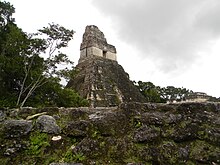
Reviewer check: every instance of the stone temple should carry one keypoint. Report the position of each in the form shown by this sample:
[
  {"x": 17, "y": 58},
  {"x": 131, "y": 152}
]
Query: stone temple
[
  {"x": 95, "y": 44},
  {"x": 99, "y": 78}
]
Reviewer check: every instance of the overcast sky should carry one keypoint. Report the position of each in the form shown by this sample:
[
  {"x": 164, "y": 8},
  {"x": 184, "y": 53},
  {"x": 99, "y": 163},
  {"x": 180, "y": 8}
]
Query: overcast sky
[{"x": 167, "y": 42}]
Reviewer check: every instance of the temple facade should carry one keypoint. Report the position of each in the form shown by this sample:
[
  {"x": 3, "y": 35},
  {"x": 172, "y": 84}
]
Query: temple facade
[{"x": 94, "y": 43}]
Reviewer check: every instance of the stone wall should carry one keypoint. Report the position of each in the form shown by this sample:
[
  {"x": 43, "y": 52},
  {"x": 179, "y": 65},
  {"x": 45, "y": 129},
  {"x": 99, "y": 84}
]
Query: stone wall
[
  {"x": 93, "y": 51},
  {"x": 131, "y": 134},
  {"x": 90, "y": 52},
  {"x": 111, "y": 56}
]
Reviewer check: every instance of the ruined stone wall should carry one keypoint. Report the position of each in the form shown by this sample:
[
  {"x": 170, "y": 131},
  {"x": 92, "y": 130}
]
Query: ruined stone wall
[{"x": 132, "y": 134}]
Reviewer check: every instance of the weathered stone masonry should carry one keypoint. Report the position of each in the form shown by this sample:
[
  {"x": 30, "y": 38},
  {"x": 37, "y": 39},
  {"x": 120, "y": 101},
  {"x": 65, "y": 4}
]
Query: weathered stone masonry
[
  {"x": 100, "y": 79},
  {"x": 95, "y": 44},
  {"x": 131, "y": 134}
]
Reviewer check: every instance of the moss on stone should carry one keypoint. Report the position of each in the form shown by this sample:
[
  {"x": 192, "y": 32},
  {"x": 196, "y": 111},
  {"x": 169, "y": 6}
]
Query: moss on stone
[
  {"x": 204, "y": 152},
  {"x": 115, "y": 136}
]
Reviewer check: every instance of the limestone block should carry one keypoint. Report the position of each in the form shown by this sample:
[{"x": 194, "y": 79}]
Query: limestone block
[
  {"x": 46, "y": 123},
  {"x": 17, "y": 128}
]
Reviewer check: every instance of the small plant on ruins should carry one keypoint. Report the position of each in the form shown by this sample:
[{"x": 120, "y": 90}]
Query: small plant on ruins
[
  {"x": 38, "y": 143},
  {"x": 73, "y": 157}
]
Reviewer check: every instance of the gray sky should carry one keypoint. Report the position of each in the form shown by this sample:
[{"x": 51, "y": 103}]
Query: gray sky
[
  {"x": 170, "y": 32},
  {"x": 167, "y": 42}
]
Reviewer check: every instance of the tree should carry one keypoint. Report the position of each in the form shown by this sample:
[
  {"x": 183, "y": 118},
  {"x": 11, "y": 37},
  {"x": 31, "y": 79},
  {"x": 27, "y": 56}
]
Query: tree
[
  {"x": 171, "y": 93},
  {"x": 53, "y": 94},
  {"x": 57, "y": 37},
  {"x": 12, "y": 43},
  {"x": 29, "y": 64},
  {"x": 159, "y": 94},
  {"x": 6, "y": 13},
  {"x": 150, "y": 91}
]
